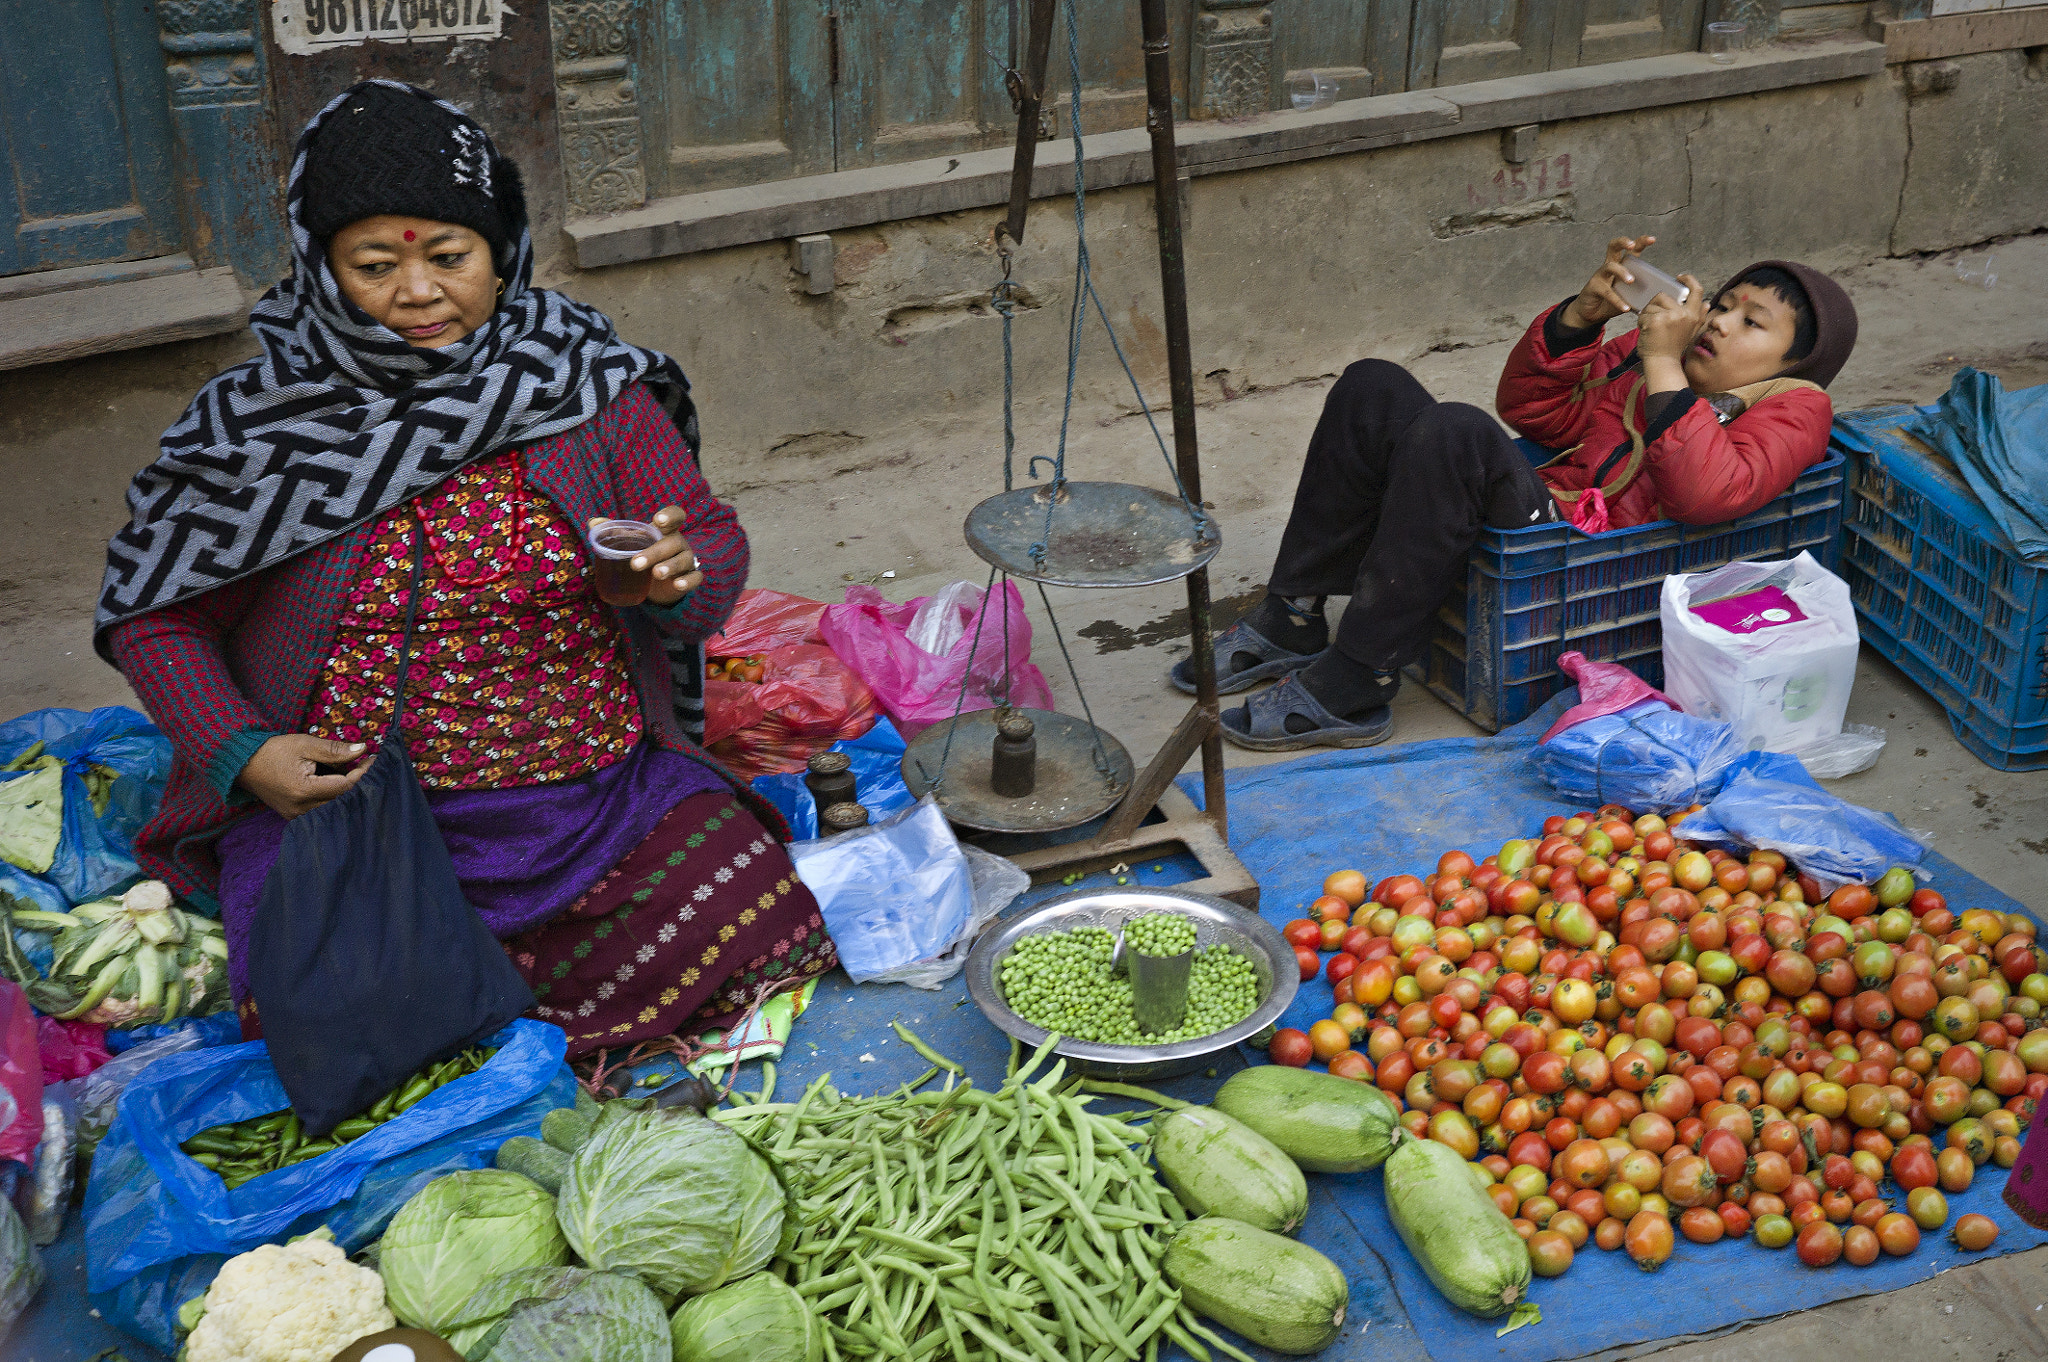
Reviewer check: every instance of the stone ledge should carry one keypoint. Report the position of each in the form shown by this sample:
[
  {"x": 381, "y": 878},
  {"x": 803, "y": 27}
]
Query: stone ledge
[
  {"x": 857, "y": 198},
  {"x": 93, "y": 316}
]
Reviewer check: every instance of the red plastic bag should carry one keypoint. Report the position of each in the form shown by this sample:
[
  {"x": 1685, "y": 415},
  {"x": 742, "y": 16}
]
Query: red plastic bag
[
  {"x": 21, "y": 1077},
  {"x": 915, "y": 655},
  {"x": 1604, "y": 688},
  {"x": 806, "y": 700},
  {"x": 70, "y": 1049},
  {"x": 765, "y": 619}
]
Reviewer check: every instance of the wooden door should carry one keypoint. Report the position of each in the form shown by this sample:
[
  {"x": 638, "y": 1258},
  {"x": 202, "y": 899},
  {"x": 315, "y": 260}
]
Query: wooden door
[
  {"x": 748, "y": 87},
  {"x": 1457, "y": 41},
  {"x": 85, "y": 140},
  {"x": 1616, "y": 30}
]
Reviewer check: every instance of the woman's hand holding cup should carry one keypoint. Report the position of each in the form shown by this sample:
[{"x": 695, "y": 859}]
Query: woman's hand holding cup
[{"x": 669, "y": 560}]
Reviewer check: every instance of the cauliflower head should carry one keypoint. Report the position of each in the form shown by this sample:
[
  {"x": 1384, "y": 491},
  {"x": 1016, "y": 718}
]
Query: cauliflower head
[{"x": 303, "y": 1302}]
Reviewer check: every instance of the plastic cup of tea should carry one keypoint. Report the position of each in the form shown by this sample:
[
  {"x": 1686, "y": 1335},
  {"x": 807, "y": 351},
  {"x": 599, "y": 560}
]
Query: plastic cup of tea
[
  {"x": 1310, "y": 89},
  {"x": 613, "y": 546},
  {"x": 1724, "y": 40}
]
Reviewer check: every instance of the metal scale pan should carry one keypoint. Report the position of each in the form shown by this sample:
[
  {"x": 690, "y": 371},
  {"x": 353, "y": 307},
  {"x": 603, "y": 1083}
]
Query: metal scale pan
[
  {"x": 1068, "y": 791},
  {"x": 1104, "y": 534}
]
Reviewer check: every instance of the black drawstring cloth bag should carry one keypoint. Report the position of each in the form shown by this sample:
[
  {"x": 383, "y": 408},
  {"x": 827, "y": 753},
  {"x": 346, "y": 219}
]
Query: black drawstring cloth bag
[{"x": 365, "y": 961}]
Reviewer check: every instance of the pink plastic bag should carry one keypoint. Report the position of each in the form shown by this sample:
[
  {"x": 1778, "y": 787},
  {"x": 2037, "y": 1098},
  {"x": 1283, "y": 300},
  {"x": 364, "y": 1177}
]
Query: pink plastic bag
[
  {"x": 70, "y": 1049},
  {"x": 1604, "y": 688},
  {"x": 915, "y": 655},
  {"x": 21, "y": 1077}
]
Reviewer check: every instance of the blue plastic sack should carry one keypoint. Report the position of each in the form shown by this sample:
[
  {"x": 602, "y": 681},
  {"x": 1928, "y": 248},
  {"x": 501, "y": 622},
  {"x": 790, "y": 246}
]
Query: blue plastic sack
[
  {"x": 222, "y": 1028},
  {"x": 1648, "y": 758},
  {"x": 877, "y": 766},
  {"x": 39, "y": 949},
  {"x": 1770, "y": 801},
  {"x": 95, "y": 852},
  {"x": 158, "y": 1226}
]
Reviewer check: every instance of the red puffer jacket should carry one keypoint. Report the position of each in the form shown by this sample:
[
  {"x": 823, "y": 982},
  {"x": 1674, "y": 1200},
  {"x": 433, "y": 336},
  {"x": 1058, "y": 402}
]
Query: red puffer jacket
[{"x": 1693, "y": 468}]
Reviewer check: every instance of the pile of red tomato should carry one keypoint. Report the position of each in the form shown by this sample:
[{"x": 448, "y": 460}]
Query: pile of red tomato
[{"x": 1632, "y": 1038}]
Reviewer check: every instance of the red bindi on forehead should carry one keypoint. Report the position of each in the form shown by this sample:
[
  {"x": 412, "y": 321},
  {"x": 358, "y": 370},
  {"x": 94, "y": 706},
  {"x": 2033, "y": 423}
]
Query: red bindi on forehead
[{"x": 409, "y": 234}]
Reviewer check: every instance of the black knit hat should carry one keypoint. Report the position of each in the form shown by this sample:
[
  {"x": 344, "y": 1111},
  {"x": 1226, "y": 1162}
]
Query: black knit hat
[{"x": 397, "y": 150}]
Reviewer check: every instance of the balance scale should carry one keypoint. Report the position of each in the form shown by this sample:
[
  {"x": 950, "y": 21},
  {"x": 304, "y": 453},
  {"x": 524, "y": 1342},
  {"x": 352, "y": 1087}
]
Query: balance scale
[{"x": 1031, "y": 771}]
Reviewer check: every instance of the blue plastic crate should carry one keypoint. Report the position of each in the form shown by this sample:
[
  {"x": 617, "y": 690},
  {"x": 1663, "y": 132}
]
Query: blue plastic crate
[
  {"x": 1530, "y": 595},
  {"x": 1940, "y": 590}
]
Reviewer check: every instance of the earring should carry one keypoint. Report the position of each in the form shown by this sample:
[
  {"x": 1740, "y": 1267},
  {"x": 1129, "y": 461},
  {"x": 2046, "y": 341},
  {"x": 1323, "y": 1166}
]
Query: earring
[{"x": 501, "y": 288}]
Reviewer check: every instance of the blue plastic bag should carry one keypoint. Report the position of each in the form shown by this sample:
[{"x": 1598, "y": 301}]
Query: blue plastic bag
[
  {"x": 1648, "y": 758},
  {"x": 1770, "y": 801},
  {"x": 158, "y": 1226},
  {"x": 95, "y": 852},
  {"x": 877, "y": 758},
  {"x": 38, "y": 949},
  {"x": 222, "y": 1028}
]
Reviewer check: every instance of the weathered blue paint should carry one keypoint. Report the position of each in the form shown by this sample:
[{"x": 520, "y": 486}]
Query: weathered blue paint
[
  {"x": 84, "y": 136},
  {"x": 226, "y": 154}
]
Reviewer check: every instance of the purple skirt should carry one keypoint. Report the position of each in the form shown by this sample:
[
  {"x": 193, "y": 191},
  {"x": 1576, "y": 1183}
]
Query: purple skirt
[{"x": 523, "y": 855}]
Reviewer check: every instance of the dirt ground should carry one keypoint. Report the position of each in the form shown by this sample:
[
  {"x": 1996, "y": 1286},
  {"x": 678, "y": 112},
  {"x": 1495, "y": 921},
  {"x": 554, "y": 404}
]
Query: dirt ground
[{"x": 71, "y": 435}]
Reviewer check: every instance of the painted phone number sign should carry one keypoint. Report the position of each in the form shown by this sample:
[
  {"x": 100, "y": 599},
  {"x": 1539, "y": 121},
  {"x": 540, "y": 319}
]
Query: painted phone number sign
[{"x": 307, "y": 26}]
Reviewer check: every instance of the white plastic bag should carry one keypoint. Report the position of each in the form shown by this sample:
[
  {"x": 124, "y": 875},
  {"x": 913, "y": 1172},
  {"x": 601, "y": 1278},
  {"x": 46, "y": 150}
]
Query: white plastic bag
[
  {"x": 1767, "y": 648},
  {"x": 902, "y": 898},
  {"x": 1855, "y": 748}
]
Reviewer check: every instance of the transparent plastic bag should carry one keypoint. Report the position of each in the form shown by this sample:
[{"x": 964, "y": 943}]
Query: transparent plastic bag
[
  {"x": 900, "y": 896},
  {"x": 45, "y": 1195},
  {"x": 997, "y": 882},
  {"x": 21, "y": 1268},
  {"x": 1855, "y": 748},
  {"x": 99, "y": 1092}
]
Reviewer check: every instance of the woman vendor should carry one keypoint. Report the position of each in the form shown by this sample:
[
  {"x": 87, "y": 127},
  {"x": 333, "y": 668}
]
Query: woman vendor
[{"x": 414, "y": 388}]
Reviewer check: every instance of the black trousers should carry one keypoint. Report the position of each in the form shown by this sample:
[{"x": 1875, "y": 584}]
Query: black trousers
[{"x": 1394, "y": 492}]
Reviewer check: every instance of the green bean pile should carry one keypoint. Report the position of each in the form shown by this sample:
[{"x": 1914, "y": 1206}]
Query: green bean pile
[
  {"x": 1062, "y": 981},
  {"x": 976, "y": 1226},
  {"x": 263, "y": 1144},
  {"x": 1159, "y": 934}
]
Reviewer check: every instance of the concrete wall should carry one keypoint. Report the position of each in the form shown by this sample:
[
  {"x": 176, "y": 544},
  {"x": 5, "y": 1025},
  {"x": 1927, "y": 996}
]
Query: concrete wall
[{"x": 1297, "y": 269}]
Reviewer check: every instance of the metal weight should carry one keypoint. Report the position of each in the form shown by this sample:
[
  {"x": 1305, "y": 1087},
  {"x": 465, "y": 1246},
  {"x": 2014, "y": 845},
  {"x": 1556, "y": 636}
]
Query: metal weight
[{"x": 1159, "y": 988}]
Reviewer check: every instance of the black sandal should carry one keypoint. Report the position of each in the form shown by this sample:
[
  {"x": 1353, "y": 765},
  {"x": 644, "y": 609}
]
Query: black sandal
[{"x": 1241, "y": 640}]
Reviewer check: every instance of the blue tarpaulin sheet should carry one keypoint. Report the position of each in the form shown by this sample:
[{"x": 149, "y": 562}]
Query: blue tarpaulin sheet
[
  {"x": 1383, "y": 811},
  {"x": 1998, "y": 441}
]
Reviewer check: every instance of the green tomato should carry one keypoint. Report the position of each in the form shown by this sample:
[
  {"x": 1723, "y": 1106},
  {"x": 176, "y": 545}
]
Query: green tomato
[{"x": 1895, "y": 887}]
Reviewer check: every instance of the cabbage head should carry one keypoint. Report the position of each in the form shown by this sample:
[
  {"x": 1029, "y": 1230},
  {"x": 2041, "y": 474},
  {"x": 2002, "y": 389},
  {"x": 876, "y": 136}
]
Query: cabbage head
[
  {"x": 761, "y": 1319},
  {"x": 561, "y": 1314},
  {"x": 674, "y": 1199},
  {"x": 459, "y": 1232}
]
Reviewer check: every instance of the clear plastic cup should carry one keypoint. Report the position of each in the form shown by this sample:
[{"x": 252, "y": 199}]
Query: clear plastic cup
[
  {"x": 1983, "y": 274},
  {"x": 1310, "y": 89},
  {"x": 1724, "y": 40},
  {"x": 1650, "y": 281},
  {"x": 613, "y": 545}
]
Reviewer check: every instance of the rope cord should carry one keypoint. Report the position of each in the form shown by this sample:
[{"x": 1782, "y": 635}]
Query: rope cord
[
  {"x": 967, "y": 679},
  {"x": 1094, "y": 733}
]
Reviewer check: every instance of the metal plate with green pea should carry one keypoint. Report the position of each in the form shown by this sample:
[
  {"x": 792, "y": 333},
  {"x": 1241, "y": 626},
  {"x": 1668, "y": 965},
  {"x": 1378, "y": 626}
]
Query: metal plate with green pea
[{"x": 1217, "y": 921}]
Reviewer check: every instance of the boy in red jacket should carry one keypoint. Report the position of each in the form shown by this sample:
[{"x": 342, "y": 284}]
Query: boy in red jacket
[{"x": 1706, "y": 411}]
